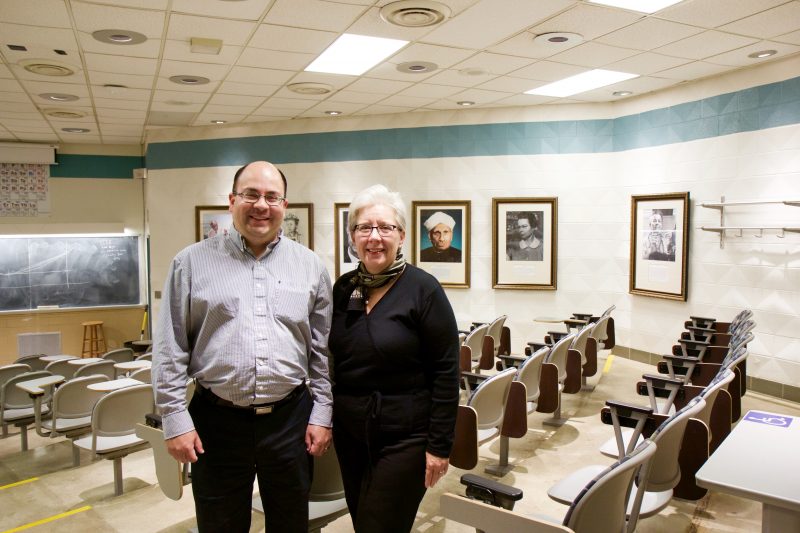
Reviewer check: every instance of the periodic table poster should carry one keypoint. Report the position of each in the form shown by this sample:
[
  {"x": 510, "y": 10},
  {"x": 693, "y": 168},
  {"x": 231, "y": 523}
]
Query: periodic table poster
[{"x": 24, "y": 189}]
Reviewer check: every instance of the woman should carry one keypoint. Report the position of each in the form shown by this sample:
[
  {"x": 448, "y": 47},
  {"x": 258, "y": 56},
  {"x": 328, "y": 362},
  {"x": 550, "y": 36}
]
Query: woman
[{"x": 394, "y": 344}]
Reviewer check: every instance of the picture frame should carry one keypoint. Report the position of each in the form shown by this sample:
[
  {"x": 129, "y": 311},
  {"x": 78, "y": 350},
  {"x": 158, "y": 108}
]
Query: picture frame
[
  {"x": 442, "y": 251},
  {"x": 345, "y": 256},
  {"x": 209, "y": 220},
  {"x": 659, "y": 245},
  {"x": 298, "y": 224},
  {"x": 524, "y": 243}
]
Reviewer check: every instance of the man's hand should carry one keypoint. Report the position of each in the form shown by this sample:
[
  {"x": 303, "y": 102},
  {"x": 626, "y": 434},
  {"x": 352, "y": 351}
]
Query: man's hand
[
  {"x": 184, "y": 448},
  {"x": 318, "y": 439}
]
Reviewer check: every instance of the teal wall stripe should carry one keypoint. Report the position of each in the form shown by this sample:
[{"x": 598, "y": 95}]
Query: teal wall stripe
[
  {"x": 766, "y": 106},
  {"x": 95, "y": 166}
]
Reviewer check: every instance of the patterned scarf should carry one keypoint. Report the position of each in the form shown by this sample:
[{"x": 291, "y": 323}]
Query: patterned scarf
[{"x": 363, "y": 280}]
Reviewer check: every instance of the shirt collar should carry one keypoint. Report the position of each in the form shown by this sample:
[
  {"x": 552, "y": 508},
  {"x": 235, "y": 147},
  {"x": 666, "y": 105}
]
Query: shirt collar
[{"x": 241, "y": 244}]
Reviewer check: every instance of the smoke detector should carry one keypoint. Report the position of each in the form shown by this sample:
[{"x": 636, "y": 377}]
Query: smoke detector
[{"x": 415, "y": 13}]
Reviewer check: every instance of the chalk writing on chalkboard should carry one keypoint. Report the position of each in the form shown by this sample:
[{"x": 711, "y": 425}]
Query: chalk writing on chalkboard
[{"x": 68, "y": 272}]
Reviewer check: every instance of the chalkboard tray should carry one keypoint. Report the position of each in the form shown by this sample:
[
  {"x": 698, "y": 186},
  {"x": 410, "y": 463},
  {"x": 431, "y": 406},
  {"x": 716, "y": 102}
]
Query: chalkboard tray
[{"x": 68, "y": 272}]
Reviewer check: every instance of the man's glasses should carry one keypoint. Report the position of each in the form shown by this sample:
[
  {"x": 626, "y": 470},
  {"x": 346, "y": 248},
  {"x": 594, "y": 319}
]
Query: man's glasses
[
  {"x": 252, "y": 197},
  {"x": 384, "y": 230}
]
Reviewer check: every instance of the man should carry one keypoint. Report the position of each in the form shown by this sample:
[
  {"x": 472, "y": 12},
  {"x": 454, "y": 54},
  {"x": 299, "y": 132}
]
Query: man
[
  {"x": 528, "y": 247},
  {"x": 247, "y": 316},
  {"x": 440, "y": 232},
  {"x": 290, "y": 227}
]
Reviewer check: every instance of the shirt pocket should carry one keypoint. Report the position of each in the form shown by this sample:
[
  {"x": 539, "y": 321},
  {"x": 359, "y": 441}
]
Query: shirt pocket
[{"x": 291, "y": 303}]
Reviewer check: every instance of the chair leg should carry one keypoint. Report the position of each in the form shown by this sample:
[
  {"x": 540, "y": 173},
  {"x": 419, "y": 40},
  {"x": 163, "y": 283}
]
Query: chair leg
[
  {"x": 118, "y": 476},
  {"x": 23, "y": 435},
  {"x": 5, "y": 430},
  {"x": 502, "y": 467},
  {"x": 556, "y": 421},
  {"x": 76, "y": 456}
]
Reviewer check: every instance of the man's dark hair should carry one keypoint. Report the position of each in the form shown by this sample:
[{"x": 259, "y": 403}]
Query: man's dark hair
[{"x": 241, "y": 169}]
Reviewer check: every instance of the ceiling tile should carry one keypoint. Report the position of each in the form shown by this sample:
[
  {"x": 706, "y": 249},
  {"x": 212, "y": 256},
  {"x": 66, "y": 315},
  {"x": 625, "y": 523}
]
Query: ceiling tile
[
  {"x": 51, "y": 13},
  {"x": 714, "y": 13},
  {"x": 31, "y": 36},
  {"x": 205, "y": 119},
  {"x": 258, "y": 75},
  {"x": 93, "y": 17},
  {"x": 120, "y": 104},
  {"x": 175, "y": 68},
  {"x": 265, "y": 118},
  {"x": 176, "y": 95},
  {"x": 459, "y": 79},
  {"x": 116, "y": 113},
  {"x": 25, "y": 107},
  {"x": 238, "y": 100},
  {"x": 593, "y": 55},
  {"x": 230, "y": 109},
  {"x": 5, "y": 72},
  {"x": 371, "y": 85},
  {"x": 738, "y": 57},
  {"x": 407, "y": 101},
  {"x": 140, "y": 66},
  {"x": 430, "y": 90},
  {"x": 214, "y": 8},
  {"x": 121, "y": 93},
  {"x": 313, "y": 14},
  {"x": 287, "y": 39},
  {"x": 704, "y": 45},
  {"x": 479, "y": 96},
  {"x": 182, "y": 51},
  {"x": 14, "y": 97},
  {"x": 149, "y": 48},
  {"x": 649, "y": 33},
  {"x": 443, "y": 56},
  {"x": 371, "y": 23},
  {"x": 690, "y": 71},
  {"x": 791, "y": 38},
  {"x": 116, "y": 78},
  {"x": 524, "y": 100},
  {"x": 471, "y": 30},
  {"x": 247, "y": 89},
  {"x": 638, "y": 86},
  {"x": 646, "y": 63},
  {"x": 493, "y": 63},
  {"x": 274, "y": 112},
  {"x": 39, "y": 87},
  {"x": 344, "y": 108},
  {"x": 388, "y": 71},
  {"x": 167, "y": 85},
  {"x": 171, "y": 107},
  {"x": 258, "y": 57},
  {"x": 8, "y": 85},
  {"x": 121, "y": 139},
  {"x": 378, "y": 109},
  {"x": 590, "y": 21},
  {"x": 776, "y": 21},
  {"x": 508, "y": 84},
  {"x": 354, "y": 97},
  {"x": 278, "y": 102}
]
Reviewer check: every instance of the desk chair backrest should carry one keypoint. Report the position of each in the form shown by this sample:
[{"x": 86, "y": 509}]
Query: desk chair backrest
[
  {"x": 710, "y": 394},
  {"x": 529, "y": 373},
  {"x": 327, "y": 483},
  {"x": 33, "y": 361},
  {"x": 489, "y": 398},
  {"x": 603, "y": 502},
  {"x": 600, "y": 331},
  {"x": 558, "y": 355},
  {"x": 145, "y": 375},
  {"x": 495, "y": 330},
  {"x": 145, "y": 356},
  {"x": 62, "y": 367},
  {"x": 117, "y": 413},
  {"x": 608, "y": 311},
  {"x": 105, "y": 368},
  {"x": 15, "y": 398},
  {"x": 120, "y": 355},
  {"x": 579, "y": 343},
  {"x": 74, "y": 400},
  {"x": 474, "y": 341},
  {"x": 9, "y": 371}
]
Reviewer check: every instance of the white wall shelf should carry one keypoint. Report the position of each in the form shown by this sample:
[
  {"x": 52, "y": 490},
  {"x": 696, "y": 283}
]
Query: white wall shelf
[{"x": 723, "y": 228}]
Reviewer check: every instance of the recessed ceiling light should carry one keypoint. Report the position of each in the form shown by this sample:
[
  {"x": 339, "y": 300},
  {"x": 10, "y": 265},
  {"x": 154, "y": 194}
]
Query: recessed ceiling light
[
  {"x": 123, "y": 37},
  {"x": 308, "y": 87},
  {"x": 333, "y": 113},
  {"x": 46, "y": 67},
  {"x": 417, "y": 67},
  {"x": 761, "y": 54},
  {"x": 642, "y": 6},
  {"x": 415, "y": 13},
  {"x": 558, "y": 39},
  {"x": 64, "y": 113},
  {"x": 58, "y": 97},
  {"x": 75, "y": 130},
  {"x": 354, "y": 54},
  {"x": 466, "y": 103},
  {"x": 622, "y": 93},
  {"x": 586, "y": 81},
  {"x": 218, "y": 121},
  {"x": 185, "y": 79}
]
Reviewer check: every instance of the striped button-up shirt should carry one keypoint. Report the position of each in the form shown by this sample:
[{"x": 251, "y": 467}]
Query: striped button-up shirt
[{"x": 250, "y": 330}]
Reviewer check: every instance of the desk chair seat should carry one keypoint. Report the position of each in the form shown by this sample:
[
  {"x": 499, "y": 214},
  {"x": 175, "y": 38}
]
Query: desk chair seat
[
  {"x": 599, "y": 507},
  {"x": 114, "y": 420},
  {"x": 17, "y": 408}
]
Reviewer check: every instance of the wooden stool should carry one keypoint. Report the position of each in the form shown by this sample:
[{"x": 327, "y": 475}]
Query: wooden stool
[{"x": 94, "y": 343}]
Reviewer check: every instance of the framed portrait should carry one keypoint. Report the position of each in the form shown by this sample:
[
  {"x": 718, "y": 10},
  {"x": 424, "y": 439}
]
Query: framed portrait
[
  {"x": 524, "y": 243},
  {"x": 346, "y": 257},
  {"x": 440, "y": 240},
  {"x": 211, "y": 220},
  {"x": 659, "y": 245},
  {"x": 298, "y": 224}
]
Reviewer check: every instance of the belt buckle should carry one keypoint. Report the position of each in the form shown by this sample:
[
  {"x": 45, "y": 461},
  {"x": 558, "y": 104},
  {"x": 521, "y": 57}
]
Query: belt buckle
[{"x": 265, "y": 410}]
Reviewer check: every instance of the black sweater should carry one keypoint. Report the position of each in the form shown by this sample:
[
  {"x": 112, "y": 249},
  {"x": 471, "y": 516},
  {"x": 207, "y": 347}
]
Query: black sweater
[{"x": 406, "y": 346}]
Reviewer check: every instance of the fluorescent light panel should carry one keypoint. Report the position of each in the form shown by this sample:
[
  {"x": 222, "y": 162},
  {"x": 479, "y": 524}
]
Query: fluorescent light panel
[
  {"x": 643, "y": 6},
  {"x": 354, "y": 54},
  {"x": 580, "y": 83}
]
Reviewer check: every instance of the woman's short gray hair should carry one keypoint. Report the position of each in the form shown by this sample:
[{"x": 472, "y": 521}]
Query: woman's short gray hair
[{"x": 377, "y": 195}]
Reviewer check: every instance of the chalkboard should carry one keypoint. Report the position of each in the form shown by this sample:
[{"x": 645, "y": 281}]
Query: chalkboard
[{"x": 68, "y": 272}]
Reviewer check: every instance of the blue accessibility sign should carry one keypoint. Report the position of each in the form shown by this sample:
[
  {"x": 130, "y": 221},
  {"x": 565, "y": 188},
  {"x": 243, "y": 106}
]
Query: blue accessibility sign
[{"x": 769, "y": 418}]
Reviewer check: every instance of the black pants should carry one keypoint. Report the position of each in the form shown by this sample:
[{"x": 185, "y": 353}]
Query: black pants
[
  {"x": 240, "y": 445},
  {"x": 383, "y": 471}
]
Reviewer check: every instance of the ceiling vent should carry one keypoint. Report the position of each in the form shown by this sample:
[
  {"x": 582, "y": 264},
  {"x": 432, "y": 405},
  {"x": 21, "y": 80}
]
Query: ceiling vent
[
  {"x": 415, "y": 13},
  {"x": 46, "y": 67},
  {"x": 64, "y": 113},
  {"x": 310, "y": 88}
]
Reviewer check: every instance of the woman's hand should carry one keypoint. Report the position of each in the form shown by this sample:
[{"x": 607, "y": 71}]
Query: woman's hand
[{"x": 435, "y": 469}]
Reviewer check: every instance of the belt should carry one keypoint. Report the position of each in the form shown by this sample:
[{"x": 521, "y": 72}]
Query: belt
[{"x": 257, "y": 409}]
